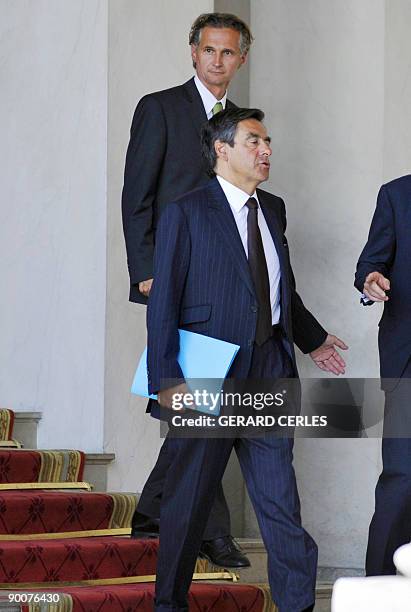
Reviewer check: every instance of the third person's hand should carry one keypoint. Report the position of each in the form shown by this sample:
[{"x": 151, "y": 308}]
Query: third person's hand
[{"x": 375, "y": 287}]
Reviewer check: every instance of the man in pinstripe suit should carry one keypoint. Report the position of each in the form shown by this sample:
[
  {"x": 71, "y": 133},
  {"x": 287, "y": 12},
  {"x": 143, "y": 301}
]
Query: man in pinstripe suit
[
  {"x": 163, "y": 162},
  {"x": 222, "y": 269}
]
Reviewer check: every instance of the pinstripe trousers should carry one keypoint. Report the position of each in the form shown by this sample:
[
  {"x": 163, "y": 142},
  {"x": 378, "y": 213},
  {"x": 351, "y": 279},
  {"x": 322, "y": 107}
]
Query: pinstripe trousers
[{"x": 196, "y": 468}]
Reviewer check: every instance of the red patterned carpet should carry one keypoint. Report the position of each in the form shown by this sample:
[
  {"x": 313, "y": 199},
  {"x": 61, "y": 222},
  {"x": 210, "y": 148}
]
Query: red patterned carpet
[
  {"x": 23, "y": 466},
  {"x": 28, "y": 563},
  {"x": 140, "y": 597},
  {"x": 40, "y": 466},
  {"x": 53, "y": 511},
  {"x": 76, "y": 559}
]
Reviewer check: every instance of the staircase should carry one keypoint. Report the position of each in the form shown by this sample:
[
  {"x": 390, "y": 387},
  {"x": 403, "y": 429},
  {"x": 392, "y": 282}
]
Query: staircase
[{"x": 65, "y": 545}]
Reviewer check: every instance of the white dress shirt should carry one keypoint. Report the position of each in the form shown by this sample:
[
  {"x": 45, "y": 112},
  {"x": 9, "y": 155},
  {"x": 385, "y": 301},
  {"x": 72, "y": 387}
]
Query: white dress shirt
[
  {"x": 209, "y": 101},
  {"x": 237, "y": 199}
]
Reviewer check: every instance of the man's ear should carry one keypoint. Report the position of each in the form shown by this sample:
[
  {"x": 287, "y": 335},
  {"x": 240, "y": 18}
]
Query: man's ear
[
  {"x": 243, "y": 60},
  {"x": 221, "y": 150}
]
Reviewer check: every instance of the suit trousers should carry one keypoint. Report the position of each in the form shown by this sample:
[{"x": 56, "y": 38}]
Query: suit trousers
[
  {"x": 391, "y": 524},
  {"x": 218, "y": 524},
  {"x": 196, "y": 468}
]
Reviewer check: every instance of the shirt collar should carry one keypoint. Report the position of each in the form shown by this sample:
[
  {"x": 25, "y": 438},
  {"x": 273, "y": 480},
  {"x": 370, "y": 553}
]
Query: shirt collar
[
  {"x": 209, "y": 101},
  {"x": 236, "y": 197}
]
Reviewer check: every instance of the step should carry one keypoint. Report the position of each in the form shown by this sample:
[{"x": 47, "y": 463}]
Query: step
[
  {"x": 19, "y": 465},
  {"x": 95, "y": 596},
  {"x": 257, "y": 554},
  {"x": 76, "y": 559},
  {"x": 101, "y": 558},
  {"x": 6, "y": 424},
  {"x": 95, "y": 469},
  {"x": 31, "y": 512},
  {"x": 257, "y": 573},
  {"x": 32, "y": 465},
  {"x": 25, "y": 427},
  {"x": 255, "y": 551},
  {"x": 203, "y": 596},
  {"x": 323, "y": 594}
]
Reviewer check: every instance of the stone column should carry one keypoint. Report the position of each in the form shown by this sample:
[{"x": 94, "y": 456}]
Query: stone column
[{"x": 53, "y": 114}]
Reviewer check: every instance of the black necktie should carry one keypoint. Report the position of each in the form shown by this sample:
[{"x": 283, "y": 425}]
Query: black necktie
[{"x": 259, "y": 273}]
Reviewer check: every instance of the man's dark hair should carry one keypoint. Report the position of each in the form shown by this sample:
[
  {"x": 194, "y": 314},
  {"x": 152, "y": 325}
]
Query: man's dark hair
[
  {"x": 223, "y": 127},
  {"x": 221, "y": 20}
]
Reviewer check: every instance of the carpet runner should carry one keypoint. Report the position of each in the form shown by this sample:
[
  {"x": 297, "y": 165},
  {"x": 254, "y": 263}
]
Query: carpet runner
[
  {"x": 41, "y": 549},
  {"x": 6, "y": 428},
  {"x": 140, "y": 598},
  {"x": 76, "y": 559},
  {"x": 41, "y": 466},
  {"x": 27, "y": 512},
  {"x": 82, "y": 561}
]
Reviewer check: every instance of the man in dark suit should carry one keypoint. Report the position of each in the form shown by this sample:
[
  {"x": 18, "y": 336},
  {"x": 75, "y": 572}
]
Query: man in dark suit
[
  {"x": 383, "y": 275},
  {"x": 222, "y": 269},
  {"x": 163, "y": 162}
]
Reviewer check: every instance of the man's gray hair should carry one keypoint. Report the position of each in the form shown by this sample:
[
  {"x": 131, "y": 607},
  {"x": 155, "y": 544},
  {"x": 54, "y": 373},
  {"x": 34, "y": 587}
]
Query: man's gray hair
[{"x": 221, "y": 20}]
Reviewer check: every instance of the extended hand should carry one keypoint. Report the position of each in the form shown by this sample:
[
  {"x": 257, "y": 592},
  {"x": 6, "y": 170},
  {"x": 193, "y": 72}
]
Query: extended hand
[
  {"x": 145, "y": 287},
  {"x": 375, "y": 287},
  {"x": 327, "y": 358}
]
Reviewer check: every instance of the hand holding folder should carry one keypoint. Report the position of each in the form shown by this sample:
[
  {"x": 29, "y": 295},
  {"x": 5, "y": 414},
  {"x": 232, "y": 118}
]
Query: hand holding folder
[{"x": 200, "y": 358}]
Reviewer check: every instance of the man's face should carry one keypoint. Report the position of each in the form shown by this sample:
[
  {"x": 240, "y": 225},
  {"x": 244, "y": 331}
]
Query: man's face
[
  {"x": 217, "y": 56},
  {"x": 249, "y": 157}
]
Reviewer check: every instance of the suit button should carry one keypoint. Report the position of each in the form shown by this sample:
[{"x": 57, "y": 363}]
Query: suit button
[{"x": 254, "y": 308}]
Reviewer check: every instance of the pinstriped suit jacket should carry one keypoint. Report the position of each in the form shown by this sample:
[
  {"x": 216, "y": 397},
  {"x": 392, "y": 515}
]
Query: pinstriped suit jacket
[{"x": 202, "y": 283}]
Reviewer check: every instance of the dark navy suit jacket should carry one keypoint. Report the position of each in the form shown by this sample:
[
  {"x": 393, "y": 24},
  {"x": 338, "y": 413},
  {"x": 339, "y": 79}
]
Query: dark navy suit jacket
[
  {"x": 163, "y": 161},
  {"x": 388, "y": 250},
  {"x": 202, "y": 283}
]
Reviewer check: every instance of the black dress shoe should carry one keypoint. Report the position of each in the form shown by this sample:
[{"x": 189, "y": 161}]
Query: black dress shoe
[
  {"x": 144, "y": 527},
  {"x": 224, "y": 552},
  {"x": 309, "y": 609}
]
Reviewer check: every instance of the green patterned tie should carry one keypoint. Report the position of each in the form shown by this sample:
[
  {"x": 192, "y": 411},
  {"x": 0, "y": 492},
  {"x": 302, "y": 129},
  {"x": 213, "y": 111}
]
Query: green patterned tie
[{"x": 217, "y": 108}]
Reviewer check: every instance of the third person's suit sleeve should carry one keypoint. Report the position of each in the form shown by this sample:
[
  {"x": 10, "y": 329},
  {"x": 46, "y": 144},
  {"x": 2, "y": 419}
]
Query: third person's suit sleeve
[
  {"x": 378, "y": 253},
  {"x": 144, "y": 159}
]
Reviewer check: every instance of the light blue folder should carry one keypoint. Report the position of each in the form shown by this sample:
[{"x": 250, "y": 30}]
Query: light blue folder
[{"x": 200, "y": 358}]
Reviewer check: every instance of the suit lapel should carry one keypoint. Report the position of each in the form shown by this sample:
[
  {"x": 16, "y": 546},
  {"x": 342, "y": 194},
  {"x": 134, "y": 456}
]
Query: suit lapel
[
  {"x": 223, "y": 220},
  {"x": 195, "y": 105}
]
